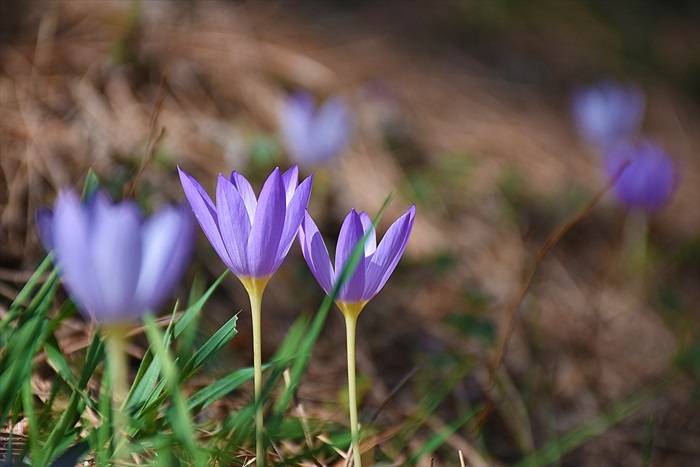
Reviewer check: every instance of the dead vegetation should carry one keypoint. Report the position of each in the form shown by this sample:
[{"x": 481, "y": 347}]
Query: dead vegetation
[{"x": 490, "y": 162}]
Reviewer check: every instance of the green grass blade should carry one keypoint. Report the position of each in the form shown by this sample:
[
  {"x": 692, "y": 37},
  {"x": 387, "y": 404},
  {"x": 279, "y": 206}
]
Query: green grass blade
[
  {"x": 91, "y": 184},
  {"x": 219, "y": 339},
  {"x": 221, "y": 387},
  {"x": 439, "y": 438},
  {"x": 180, "y": 417},
  {"x": 554, "y": 450}
]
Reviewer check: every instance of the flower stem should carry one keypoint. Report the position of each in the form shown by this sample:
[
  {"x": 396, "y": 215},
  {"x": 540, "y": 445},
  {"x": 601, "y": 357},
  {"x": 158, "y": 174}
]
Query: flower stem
[
  {"x": 255, "y": 288},
  {"x": 350, "y": 327},
  {"x": 115, "y": 342}
]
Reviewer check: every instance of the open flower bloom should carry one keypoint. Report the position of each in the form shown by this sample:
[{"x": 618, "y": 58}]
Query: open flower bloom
[
  {"x": 375, "y": 266},
  {"x": 650, "y": 179},
  {"x": 251, "y": 236},
  {"x": 608, "y": 113},
  {"x": 116, "y": 265},
  {"x": 314, "y": 135}
]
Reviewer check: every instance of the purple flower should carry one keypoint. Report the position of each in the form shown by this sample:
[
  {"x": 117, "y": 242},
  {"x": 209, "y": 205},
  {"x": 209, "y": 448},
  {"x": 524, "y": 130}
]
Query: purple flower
[
  {"x": 650, "y": 179},
  {"x": 608, "y": 113},
  {"x": 314, "y": 135},
  {"x": 252, "y": 236},
  {"x": 374, "y": 268},
  {"x": 116, "y": 265}
]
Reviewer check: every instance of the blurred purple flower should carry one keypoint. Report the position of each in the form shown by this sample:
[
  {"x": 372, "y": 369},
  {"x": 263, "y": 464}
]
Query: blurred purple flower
[
  {"x": 252, "y": 236},
  {"x": 314, "y": 135},
  {"x": 374, "y": 268},
  {"x": 608, "y": 113},
  {"x": 650, "y": 179},
  {"x": 113, "y": 263}
]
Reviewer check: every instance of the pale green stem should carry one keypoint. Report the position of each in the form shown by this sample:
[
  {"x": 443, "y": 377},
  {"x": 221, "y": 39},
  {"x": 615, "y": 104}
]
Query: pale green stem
[
  {"x": 636, "y": 245},
  {"x": 115, "y": 342},
  {"x": 255, "y": 288},
  {"x": 350, "y": 327}
]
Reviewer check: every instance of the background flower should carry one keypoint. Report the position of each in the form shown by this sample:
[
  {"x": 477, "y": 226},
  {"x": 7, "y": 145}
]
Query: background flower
[
  {"x": 650, "y": 179},
  {"x": 313, "y": 134},
  {"x": 608, "y": 113},
  {"x": 116, "y": 265}
]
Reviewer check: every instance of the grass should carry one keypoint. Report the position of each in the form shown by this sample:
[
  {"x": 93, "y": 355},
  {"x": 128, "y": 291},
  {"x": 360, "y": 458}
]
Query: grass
[{"x": 168, "y": 421}]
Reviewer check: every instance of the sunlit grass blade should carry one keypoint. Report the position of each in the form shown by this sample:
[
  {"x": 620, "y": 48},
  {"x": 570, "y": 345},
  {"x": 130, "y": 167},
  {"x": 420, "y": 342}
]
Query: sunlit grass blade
[
  {"x": 218, "y": 389},
  {"x": 145, "y": 387},
  {"x": 101, "y": 446},
  {"x": 181, "y": 422},
  {"x": 29, "y": 413},
  {"x": 22, "y": 346},
  {"x": 220, "y": 338},
  {"x": 25, "y": 293},
  {"x": 75, "y": 407}
]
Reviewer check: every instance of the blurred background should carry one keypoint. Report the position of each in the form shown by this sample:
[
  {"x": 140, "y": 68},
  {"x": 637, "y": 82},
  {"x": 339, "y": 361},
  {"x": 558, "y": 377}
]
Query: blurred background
[{"x": 463, "y": 107}]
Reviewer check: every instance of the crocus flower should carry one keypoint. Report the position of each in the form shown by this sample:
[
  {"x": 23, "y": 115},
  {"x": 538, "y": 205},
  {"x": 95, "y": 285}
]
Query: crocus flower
[
  {"x": 116, "y": 265},
  {"x": 371, "y": 274},
  {"x": 648, "y": 181},
  {"x": 314, "y": 135},
  {"x": 608, "y": 113},
  {"x": 252, "y": 237},
  {"x": 374, "y": 268}
]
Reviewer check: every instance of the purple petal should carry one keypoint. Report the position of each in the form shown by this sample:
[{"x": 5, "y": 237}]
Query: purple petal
[
  {"x": 204, "y": 211},
  {"x": 296, "y": 126},
  {"x": 265, "y": 234},
  {"x": 246, "y": 192},
  {"x": 315, "y": 253},
  {"x": 608, "y": 113},
  {"x": 648, "y": 181},
  {"x": 166, "y": 239},
  {"x": 331, "y": 130},
  {"x": 351, "y": 233},
  {"x": 71, "y": 240},
  {"x": 234, "y": 224},
  {"x": 115, "y": 248},
  {"x": 294, "y": 217},
  {"x": 44, "y": 225},
  {"x": 371, "y": 243},
  {"x": 388, "y": 254},
  {"x": 291, "y": 180}
]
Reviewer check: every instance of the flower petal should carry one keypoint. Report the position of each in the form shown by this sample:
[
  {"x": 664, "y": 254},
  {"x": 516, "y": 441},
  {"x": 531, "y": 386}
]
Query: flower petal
[
  {"x": 294, "y": 217},
  {"x": 388, "y": 254},
  {"x": 266, "y": 231},
  {"x": 71, "y": 238},
  {"x": 234, "y": 224},
  {"x": 296, "y": 126},
  {"x": 115, "y": 249},
  {"x": 205, "y": 213},
  {"x": 246, "y": 192},
  {"x": 371, "y": 243},
  {"x": 44, "y": 225},
  {"x": 315, "y": 253},
  {"x": 291, "y": 180},
  {"x": 351, "y": 233},
  {"x": 166, "y": 239},
  {"x": 331, "y": 129}
]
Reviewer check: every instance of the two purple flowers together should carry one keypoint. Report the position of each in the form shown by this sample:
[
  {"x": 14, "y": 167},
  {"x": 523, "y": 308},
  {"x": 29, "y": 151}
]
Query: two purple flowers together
[
  {"x": 609, "y": 117},
  {"x": 117, "y": 265}
]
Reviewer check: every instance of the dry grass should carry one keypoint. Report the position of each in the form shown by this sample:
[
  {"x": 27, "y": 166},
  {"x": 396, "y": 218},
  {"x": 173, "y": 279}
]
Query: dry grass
[{"x": 83, "y": 87}]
